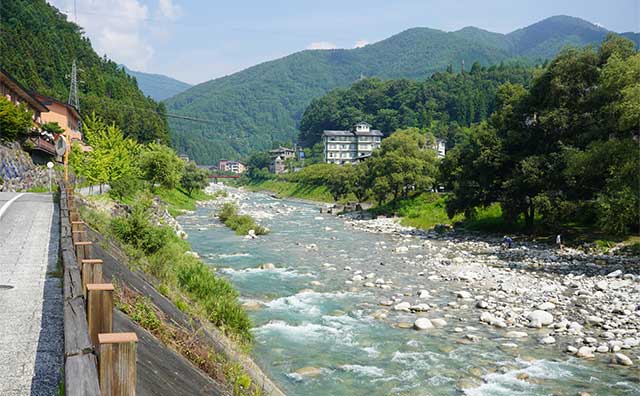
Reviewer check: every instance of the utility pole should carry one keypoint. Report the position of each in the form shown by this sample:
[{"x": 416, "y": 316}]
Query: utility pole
[{"x": 73, "y": 101}]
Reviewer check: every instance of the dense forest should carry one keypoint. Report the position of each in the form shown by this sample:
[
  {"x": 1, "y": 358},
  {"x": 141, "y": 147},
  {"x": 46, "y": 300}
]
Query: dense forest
[
  {"x": 38, "y": 46},
  {"x": 557, "y": 149},
  {"x": 252, "y": 109},
  {"x": 443, "y": 102}
]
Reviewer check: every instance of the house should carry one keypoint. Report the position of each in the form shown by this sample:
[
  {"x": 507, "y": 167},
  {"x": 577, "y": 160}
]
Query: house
[
  {"x": 66, "y": 116},
  {"x": 348, "y": 147},
  {"x": 440, "y": 147},
  {"x": 231, "y": 166},
  {"x": 43, "y": 144},
  {"x": 17, "y": 94},
  {"x": 284, "y": 153},
  {"x": 277, "y": 166}
]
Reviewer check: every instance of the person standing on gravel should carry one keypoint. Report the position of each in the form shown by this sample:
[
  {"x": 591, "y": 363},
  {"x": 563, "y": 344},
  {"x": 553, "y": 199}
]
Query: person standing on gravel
[{"x": 559, "y": 242}]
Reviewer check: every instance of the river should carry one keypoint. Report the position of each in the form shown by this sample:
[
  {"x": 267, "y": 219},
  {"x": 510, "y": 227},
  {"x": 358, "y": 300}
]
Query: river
[{"x": 312, "y": 316}]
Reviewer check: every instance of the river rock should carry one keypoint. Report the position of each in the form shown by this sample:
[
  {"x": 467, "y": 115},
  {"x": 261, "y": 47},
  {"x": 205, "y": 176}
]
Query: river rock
[
  {"x": 309, "y": 371},
  {"x": 548, "y": 340},
  {"x": 622, "y": 359},
  {"x": 516, "y": 334},
  {"x": 602, "y": 285},
  {"x": 422, "y": 324},
  {"x": 585, "y": 352},
  {"x": 463, "y": 294},
  {"x": 420, "y": 307},
  {"x": 267, "y": 266},
  {"x": 403, "y": 306},
  {"x": 539, "y": 318},
  {"x": 546, "y": 306},
  {"x": 439, "y": 322}
]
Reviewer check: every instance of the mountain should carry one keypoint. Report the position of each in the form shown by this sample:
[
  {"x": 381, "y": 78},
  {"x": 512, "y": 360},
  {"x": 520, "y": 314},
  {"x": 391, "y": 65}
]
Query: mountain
[
  {"x": 158, "y": 86},
  {"x": 38, "y": 46},
  {"x": 262, "y": 105}
]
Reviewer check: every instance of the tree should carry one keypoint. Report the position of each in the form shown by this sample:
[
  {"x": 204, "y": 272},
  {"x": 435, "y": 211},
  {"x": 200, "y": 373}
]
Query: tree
[
  {"x": 160, "y": 166},
  {"x": 112, "y": 157},
  {"x": 52, "y": 127},
  {"x": 256, "y": 163},
  {"x": 193, "y": 178},
  {"x": 404, "y": 164},
  {"x": 14, "y": 120}
]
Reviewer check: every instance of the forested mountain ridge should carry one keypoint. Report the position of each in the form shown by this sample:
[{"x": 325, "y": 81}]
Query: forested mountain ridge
[
  {"x": 444, "y": 102},
  {"x": 38, "y": 46},
  {"x": 252, "y": 109},
  {"x": 158, "y": 86}
]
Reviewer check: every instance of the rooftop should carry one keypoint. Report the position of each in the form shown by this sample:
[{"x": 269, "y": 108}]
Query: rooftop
[{"x": 14, "y": 85}]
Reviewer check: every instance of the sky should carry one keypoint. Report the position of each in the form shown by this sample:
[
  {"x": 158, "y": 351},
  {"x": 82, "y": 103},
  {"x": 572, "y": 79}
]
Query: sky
[{"x": 199, "y": 40}]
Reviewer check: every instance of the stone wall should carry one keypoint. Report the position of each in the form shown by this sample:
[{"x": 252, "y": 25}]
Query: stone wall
[{"x": 17, "y": 170}]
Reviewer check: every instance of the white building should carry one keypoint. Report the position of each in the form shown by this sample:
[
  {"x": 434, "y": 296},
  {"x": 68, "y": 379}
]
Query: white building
[
  {"x": 347, "y": 147},
  {"x": 440, "y": 147}
]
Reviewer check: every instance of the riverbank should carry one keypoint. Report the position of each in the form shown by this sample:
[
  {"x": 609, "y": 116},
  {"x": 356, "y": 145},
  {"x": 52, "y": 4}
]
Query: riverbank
[
  {"x": 146, "y": 238},
  {"x": 336, "y": 303}
]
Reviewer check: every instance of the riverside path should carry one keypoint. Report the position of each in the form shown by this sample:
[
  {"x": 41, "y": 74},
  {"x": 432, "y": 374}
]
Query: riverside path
[{"x": 31, "y": 321}]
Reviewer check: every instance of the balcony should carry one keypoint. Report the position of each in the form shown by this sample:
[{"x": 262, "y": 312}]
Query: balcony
[{"x": 43, "y": 145}]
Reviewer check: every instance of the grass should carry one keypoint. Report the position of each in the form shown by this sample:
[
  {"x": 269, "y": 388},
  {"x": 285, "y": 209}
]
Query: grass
[
  {"x": 285, "y": 189},
  {"x": 422, "y": 211},
  {"x": 241, "y": 224},
  {"x": 43, "y": 189},
  {"x": 178, "y": 201},
  {"x": 211, "y": 297},
  {"x": 142, "y": 311}
]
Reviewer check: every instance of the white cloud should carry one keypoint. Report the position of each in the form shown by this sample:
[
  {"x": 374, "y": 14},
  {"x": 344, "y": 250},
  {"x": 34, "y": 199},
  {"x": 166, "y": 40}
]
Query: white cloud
[
  {"x": 360, "y": 43},
  {"x": 120, "y": 28},
  {"x": 321, "y": 45},
  {"x": 168, "y": 9}
]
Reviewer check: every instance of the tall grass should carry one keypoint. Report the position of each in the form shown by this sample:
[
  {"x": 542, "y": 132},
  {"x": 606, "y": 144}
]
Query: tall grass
[
  {"x": 241, "y": 224},
  {"x": 162, "y": 254}
]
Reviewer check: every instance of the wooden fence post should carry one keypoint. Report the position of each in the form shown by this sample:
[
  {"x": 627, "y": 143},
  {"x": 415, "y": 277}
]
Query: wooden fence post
[
  {"x": 117, "y": 364},
  {"x": 91, "y": 272},
  {"x": 74, "y": 215},
  {"x": 79, "y": 236},
  {"x": 77, "y": 225},
  {"x": 83, "y": 250},
  {"x": 99, "y": 309}
]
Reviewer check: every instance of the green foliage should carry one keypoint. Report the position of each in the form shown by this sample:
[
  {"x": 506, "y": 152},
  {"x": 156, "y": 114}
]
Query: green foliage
[
  {"x": 217, "y": 296},
  {"x": 287, "y": 189},
  {"x": 113, "y": 156},
  {"x": 554, "y": 149},
  {"x": 442, "y": 102},
  {"x": 134, "y": 228},
  {"x": 38, "y": 45},
  {"x": 160, "y": 166},
  {"x": 141, "y": 311},
  {"x": 263, "y": 104},
  {"x": 15, "y": 121},
  {"x": 126, "y": 188},
  {"x": 157, "y": 86},
  {"x": 241, "y": 224},
  {"x": 193, "y": 178},
  {"x": 405, "y": 164},
  {"x": 52, "y": 127}
]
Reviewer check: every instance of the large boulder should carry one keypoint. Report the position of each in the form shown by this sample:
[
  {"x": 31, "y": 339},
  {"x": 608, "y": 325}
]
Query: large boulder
[
  {"x": 539, "y": 318},
  {"x": 422, "y": 324}
]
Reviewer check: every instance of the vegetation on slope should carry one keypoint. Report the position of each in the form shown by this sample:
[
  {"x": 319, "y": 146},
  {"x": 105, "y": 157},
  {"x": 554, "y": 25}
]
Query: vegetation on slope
[
  {"x": 38, "y": 45},
  {"x": 444, "y": 102},
  {"x": 252, "y": 109},
  {"x": 241, "y": 224},
  {"x": 157, "y": 86}
]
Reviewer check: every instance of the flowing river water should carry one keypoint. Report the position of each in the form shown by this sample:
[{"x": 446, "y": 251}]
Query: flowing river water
[{"x": 311, "y": 318}]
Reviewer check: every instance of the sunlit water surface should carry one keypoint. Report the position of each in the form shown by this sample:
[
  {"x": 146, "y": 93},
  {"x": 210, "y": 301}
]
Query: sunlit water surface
[{"x": 329, "y": 327}]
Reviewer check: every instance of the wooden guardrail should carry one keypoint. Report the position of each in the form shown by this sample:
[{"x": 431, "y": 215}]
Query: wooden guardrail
[{"x": 97, "y": 361}]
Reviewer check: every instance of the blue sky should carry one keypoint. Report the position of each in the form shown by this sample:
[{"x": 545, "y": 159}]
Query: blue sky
[{"x": 197, "y": 40}]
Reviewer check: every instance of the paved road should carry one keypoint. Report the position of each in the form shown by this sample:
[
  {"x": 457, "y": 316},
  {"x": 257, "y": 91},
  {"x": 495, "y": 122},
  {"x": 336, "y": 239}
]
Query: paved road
[{"x": 31, "y": 326}]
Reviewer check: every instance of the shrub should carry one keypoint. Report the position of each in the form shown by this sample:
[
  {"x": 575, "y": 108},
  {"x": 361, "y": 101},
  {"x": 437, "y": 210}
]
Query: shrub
[
  {"x": 241, "y": 224},
  {"x": 134, "y": 229}
]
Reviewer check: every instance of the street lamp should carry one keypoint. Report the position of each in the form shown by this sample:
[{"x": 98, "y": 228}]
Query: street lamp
[{"x": 50, "y": 167}]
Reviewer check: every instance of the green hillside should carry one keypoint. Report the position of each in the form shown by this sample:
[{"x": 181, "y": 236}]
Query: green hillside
[
  {"x": 37, "y": 47},
  {"x": 158, "y": 86},
  {"x": 445, "y": 102},
  {"x": 252, "y": 109}
]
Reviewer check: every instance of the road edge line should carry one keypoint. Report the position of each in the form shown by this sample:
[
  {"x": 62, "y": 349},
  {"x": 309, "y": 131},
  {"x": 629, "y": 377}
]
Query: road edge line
[{"x": 8, "y": 203}]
